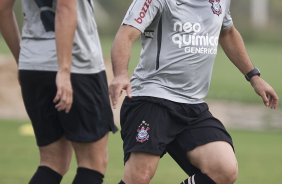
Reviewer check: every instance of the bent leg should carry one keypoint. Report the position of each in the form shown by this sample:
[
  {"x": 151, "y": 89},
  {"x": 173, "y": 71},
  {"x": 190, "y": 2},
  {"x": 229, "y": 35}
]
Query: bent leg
[
  {"x": 140, "y": 168},
  {"x": 217, "y": 160}
]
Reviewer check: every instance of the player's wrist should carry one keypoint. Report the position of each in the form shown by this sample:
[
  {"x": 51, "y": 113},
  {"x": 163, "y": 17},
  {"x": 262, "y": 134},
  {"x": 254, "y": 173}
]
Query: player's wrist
[
  {"x": 253, "y": 73},
  {"x": 121, "y": 74},
  {"x": 64, "y": 69}
]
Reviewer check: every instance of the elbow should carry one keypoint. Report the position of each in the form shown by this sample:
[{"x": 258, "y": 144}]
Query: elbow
[
  {"x": 128, "y": 33},
  {"x": 229, "y": 31},
  {"x": 227, "y": 34}
]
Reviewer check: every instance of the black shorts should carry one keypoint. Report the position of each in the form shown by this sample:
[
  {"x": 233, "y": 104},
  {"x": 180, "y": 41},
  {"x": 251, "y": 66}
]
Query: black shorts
[
  {"x": 153, "y": 125},
  {"x": 89, "y": 119}
]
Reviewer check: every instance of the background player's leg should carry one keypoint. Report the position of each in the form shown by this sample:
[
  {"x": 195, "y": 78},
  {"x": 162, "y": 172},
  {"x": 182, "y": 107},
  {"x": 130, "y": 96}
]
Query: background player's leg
[
  {"x": 54, "y": 162},
  {"x": 140, "y": 168},
  {"x": 92, "y": 159}
]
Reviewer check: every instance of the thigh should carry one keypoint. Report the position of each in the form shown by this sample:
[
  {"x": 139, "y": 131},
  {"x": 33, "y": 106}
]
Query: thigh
[
  {"x": 90, "y": 117},
  {"x": 38, "y": 91},
  {"x": 216, "y": 159},
  {"x": 205, "y": 130}
]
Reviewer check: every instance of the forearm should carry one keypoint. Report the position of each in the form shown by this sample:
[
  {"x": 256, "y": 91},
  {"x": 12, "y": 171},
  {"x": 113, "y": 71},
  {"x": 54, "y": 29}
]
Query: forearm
[
  {"x": 65, "y": 26},
  {"x": 121, "y": 49},
  {"x": 234, "y": 47},
  {"x": 9, "y": 28}
]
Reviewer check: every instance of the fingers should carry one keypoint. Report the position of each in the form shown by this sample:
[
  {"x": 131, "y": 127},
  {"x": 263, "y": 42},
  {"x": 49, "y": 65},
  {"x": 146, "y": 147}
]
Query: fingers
[
  {"x": 116, "y": 89},
  {"x": 128, "y": 91},
  {"x": 63, "y": 100},
  {"x": 267, "y": 93},
  {"x": 64, "y": 96},
  {"x": 58, "y": 96},
  {"x": 270, "y": 99},
  {"x": 273, "y": 100},
  {"x": 115, "y": 93},
  {"x": 265, "y": 99}
]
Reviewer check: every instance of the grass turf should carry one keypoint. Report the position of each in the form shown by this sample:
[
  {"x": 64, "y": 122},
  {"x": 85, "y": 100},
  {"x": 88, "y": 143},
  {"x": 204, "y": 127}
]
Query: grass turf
[{"x": 259, "y": 156}]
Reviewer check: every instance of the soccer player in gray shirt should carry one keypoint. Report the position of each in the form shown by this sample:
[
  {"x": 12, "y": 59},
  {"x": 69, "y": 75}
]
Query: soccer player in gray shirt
[
  {"x": 164, "y": 110},
  {"x": 64, "y": 86}
]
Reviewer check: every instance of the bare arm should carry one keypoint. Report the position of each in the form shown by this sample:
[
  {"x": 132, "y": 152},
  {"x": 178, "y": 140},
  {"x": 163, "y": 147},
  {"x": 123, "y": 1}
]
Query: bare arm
[
  {"x": 120, "y": 54},
  {"x": 233, "y": 46},
  {"x": 9, "y": 27},
  {"x": 65, "y": 26}
]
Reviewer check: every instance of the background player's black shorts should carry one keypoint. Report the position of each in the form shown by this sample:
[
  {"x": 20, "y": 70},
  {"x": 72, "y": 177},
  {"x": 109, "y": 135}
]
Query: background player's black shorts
[
  {"x": 156, "y": 126},
  {"x": 89, "y": 119}
]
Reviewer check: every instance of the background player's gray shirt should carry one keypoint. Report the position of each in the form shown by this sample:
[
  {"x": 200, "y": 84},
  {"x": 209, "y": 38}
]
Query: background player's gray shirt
[
  {"x": 38, "y": 49},
  {"x": 179, "y": 45}
]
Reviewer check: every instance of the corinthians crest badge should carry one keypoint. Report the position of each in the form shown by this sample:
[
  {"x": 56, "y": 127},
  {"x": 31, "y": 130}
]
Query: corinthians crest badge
[
  {"x": 142, "y": 132},
  {"x": 216, "y": 7}
]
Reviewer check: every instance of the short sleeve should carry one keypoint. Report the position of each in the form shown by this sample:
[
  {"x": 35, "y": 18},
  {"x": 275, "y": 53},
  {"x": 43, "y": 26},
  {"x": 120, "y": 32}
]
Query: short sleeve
[
  {"x": 141, "y": 13},
  {"x": 227, "y": 20}
]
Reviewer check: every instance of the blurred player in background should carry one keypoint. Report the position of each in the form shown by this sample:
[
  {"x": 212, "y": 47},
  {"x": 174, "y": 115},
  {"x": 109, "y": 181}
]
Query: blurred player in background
[{"x": 64, "y": 87}]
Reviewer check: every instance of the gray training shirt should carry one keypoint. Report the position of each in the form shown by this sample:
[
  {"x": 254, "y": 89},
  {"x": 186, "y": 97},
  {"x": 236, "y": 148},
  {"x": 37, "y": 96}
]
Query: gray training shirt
[
  {"x": 38, "y": 48},
  {"x": 179, "y": 45}
]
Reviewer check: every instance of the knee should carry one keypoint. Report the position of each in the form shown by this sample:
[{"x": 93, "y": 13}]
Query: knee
[
  {"x": 143, "y": 177},
  {"x": 92, "y": 161},
  {"x": 64, "y": 166},
  {"x": 229, "y": 176},
  {"x": 226, "y": 174},
  {"x": 138, "y": 174},
  {"x": 60, "y": 164},
  {"x": 104, "y": 159},
  {"x": 140, "y": 168},
  {"x": 61, "y": 168},
  {"x": 99, "y": 162}
]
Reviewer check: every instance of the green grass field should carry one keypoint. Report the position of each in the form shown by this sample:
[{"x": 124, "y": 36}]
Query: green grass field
[{"x": 259, "y": 156}]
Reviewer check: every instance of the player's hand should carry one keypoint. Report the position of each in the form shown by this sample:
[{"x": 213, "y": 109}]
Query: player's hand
[
  {"x": 267, "y": 93},
  {"x": 118, "y": 84},
  {"x": 64, "y": 97}
]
